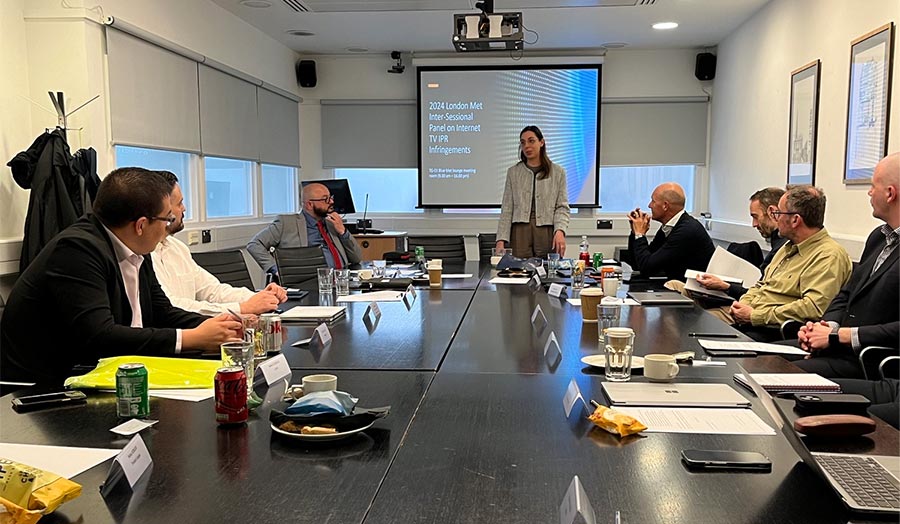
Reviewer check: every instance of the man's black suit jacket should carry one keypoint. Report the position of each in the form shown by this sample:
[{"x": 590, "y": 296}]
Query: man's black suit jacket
[
  {"x": 70, "y": 307},
  {"x": 687, "y": 246},
  {"x": 869, "y": 301}
]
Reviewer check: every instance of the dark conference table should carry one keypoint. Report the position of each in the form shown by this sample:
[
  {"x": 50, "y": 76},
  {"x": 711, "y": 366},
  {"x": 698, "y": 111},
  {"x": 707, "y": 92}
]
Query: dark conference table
[{"x": 483, "y": 440}]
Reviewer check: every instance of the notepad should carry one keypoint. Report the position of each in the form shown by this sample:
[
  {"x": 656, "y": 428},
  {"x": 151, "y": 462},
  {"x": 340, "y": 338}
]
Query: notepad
[
  {"x": 758, "y": 347},
  {"x": 790, "y": 382},
  {"x": 314, "y": 313}
]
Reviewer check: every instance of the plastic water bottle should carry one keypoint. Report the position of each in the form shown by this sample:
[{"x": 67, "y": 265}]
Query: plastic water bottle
[{"x": 584, "y": 251}]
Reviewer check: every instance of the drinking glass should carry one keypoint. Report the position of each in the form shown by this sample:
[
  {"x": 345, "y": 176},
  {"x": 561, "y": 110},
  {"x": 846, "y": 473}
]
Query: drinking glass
[
  {"x": 239, "y": 354},
  {"x": 607, "y": 317},
  {"x": 342, "y": 282},
  {"x": 619, "y": 346},
  {"x": 553, "y": 261},
  {"x": 378, "y": 268},
  {"x": 326, "y": 279}
]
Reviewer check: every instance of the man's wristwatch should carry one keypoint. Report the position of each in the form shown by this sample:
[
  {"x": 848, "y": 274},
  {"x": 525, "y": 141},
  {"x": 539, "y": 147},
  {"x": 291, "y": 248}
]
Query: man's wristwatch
[{"x": 833, "y": 338}]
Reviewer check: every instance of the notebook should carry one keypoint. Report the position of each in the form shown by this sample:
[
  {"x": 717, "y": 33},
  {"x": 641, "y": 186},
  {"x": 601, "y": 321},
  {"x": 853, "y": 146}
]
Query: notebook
[
  {"x": 790, "y": 382},
  {"x": 678, "y": 394},
  {"x": 314, "y": 313},
  {"x": 866, "y": 483},
  {"x": 662, "y": 298}
]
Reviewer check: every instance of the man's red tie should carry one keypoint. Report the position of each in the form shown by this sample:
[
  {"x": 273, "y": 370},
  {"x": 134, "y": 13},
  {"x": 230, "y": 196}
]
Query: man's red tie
[{"x": 331, "y": 247}]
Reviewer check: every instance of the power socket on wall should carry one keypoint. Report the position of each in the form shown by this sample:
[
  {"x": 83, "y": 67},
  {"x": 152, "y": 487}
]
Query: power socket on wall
[
  {"x": 604, "y": 224},
  {"x": 207, "y": 236}
]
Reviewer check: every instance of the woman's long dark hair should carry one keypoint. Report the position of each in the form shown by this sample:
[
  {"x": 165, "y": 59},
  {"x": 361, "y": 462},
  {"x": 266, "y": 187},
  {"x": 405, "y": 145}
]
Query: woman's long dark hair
[{"x": 546, "y": 164}]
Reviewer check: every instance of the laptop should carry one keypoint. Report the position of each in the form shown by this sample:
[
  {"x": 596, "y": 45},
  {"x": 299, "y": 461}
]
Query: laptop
[
  {"x": 866, "y": 483},
  {"x": 674, "y": 395},
  {"x": 660, "y": 298}
]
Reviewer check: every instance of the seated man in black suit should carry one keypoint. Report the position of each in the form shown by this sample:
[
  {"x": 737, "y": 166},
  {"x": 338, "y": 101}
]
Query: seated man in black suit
[
  {"x": 92, "y": 293},
  {"x": 866, "y": 311},
  {"x": 682, "y": 242}
]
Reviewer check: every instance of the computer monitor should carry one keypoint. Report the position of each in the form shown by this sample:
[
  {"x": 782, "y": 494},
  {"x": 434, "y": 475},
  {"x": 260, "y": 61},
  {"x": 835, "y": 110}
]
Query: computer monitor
[{"x": 340, "y": 190}]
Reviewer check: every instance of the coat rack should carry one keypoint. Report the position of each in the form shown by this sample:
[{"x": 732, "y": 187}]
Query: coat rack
[{"x": 59, "y": 104}]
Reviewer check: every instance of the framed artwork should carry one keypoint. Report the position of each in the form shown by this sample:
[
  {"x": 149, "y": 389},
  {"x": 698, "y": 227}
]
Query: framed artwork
[
  {"x": 803, "y": 125},
  {"x": 869, "y": 99}
]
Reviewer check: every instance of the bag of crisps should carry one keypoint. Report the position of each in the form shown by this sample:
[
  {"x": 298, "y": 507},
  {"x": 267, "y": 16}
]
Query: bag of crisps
[{"x": 27, "y": 493}]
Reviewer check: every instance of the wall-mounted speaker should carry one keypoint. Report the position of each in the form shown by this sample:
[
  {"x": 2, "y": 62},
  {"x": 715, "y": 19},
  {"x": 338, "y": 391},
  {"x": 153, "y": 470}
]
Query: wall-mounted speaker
[
  {"x": 705, "y": 69},
  {"x": 306, "y": 73}
]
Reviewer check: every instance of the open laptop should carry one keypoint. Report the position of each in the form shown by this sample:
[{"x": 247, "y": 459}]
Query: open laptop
[
  {"x": 866, "y": 483},
  {"x": 660, "y": 298},
  {"x": 674, "y": 395}
]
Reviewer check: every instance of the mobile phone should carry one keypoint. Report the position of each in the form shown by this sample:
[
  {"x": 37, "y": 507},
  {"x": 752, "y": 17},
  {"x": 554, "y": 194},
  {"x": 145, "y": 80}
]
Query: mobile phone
[
  {"x": 48, "y": 400},
  {"x": 725, "y": 460}
]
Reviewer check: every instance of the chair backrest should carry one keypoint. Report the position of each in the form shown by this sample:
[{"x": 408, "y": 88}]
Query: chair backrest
[
  {"x": 228, "y": 266},
  {"x": 447, "y": 248},
  {"x": 871, "y": 358},
  {"x": 749, "y": 251},
  {"x": 298, "y": 264},
  {"x": 486, "y": 242}
]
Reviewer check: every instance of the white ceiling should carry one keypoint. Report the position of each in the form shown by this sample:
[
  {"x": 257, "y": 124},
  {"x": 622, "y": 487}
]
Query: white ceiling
[{"x": 417, "y": 26}]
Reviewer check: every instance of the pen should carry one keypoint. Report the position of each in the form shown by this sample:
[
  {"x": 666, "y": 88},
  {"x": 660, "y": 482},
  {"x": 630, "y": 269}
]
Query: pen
[
  {"x": 720, "y": 335},
  {"x": 235, "y": 315},
  {"x": 618, "y": 517}
]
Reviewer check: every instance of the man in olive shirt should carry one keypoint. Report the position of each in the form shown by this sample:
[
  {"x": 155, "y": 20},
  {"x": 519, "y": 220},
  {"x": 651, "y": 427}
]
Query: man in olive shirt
[{"x": 805, "y": 274}]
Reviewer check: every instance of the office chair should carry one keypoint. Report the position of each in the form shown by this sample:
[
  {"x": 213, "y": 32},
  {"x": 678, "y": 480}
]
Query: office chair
[
  {"x": 298, "y": 264},
  {"x": 446, "y": 248},
  {"x": 228, "y": 266},
  {"x": 749, "y": 251},
  {"x": 486, "y": 242},
  {"x": 875, "y": 361}
]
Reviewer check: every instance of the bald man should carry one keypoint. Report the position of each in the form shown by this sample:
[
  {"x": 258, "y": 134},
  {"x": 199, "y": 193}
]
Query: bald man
[
  {"x": 866, "y": 311},
  {"x": 681, "y": 243},
  {"x": 316, "y": 225}
]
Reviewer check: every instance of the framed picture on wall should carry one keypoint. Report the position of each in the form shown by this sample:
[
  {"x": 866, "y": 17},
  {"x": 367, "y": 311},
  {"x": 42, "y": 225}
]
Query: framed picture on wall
[
  {"x": 869, "y": 99},
  {"x": 803, "y": 125}
]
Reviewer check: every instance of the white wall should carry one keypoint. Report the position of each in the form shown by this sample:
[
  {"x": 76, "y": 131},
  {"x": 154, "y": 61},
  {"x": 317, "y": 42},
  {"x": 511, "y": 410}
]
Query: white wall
[{"x": 750, "y": 108}]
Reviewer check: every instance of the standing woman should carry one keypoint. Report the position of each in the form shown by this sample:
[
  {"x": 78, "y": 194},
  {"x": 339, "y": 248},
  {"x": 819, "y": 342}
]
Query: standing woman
[{"x": 535, "y": 211}]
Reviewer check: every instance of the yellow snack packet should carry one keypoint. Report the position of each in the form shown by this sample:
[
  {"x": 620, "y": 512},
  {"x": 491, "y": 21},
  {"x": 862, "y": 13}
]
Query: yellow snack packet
[
  {"x": 615, "y": 422},
  {"x": 49, "y": 491}
]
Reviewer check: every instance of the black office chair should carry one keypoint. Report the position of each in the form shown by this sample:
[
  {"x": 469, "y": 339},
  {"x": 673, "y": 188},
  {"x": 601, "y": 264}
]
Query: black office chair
[
  {"x": 298, "y": 264},
  {"x": 446, "y": 248},
  {"x": 790, "y": 329},
  {"x": 879, "y": 362},
  {"x": 228, "y": 266},
  {"x": 486, "y": 242},
  {"x": 749, "y": 251}
]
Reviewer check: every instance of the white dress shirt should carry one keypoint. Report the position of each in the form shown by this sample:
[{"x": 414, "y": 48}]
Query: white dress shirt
[
  {"x": 191, "y": 287},
  {"x": 670, "y": 225}
]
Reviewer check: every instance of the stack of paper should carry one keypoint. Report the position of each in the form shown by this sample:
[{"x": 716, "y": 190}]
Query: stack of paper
[
  {"x": 792, "y": 382},
  {"x": 726, "y": 266},
  {"x": 314, "y": 313},
  {"x": 758, "y": 347}
]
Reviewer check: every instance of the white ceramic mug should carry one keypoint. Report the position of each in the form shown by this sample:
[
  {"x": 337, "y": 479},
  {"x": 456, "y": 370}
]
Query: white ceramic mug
[
  {"x": 610, "y": 286},
  {"x": 322, "y": 382},
  {"x": 660, "y": 367}
]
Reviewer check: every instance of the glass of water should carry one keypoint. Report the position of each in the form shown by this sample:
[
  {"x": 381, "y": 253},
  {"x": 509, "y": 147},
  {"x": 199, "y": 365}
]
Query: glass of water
[
  {"x": 552, "y": 261},
  {"x": 619, "y": 347},
  {"x": 326, "y": 279},
  {"x": 239, "y": 354},
  {"x": 378, "y": 268},
  {"x": 607, "y": 317},
  {"x": 342, "y": 282}
]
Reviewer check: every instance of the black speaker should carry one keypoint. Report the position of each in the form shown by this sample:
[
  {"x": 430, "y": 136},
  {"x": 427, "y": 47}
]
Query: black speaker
[
  {"x": 306, "y": 73},
  {"x": 706, "y": 66}
]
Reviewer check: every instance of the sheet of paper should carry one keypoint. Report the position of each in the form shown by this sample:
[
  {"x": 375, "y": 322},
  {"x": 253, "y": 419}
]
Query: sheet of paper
[
  {"x": 64, "y": 461},
  {"x": 135, "y": 425},
  {"x": 725, "y": 263},
  {"x": 375, "y": 296},
  {"x": 712, "y": 421},
  {"x": 691, "y": 284},
  {"x": 693, "y": 274},
  {"x": 612, "y": 301},
  {"x": 190, "y": 395},
  {"x": 302, "y": 342},
  {"x": 759, "y": 347},
  {"x": 507, "y": 280},
  {"x": 312, "y": 312},
  {"x": 456, "y": 275},
  {"x": 574, "y": 301}
]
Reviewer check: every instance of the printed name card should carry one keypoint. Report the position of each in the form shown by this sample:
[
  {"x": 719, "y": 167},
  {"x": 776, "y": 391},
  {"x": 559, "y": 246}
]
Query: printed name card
[
  {"x": 411, "y": 291},
  {"x": 534, "y": 283},
  {"x": 551, "y": 340},
  {"x": 274, "y": 369},
  {"x": 573, "y": 395},
  {"x": 373, "y": 310},
  {"x": 321, "y": 335},
  {"x": 557, "y": 290},
  {"x": 409, "y": 296},
  {"x": 538, "y": 313},
  {"x": 130, "y": 464},
  {"x": 575, "y": 502},
  {"x": 541, "y": 271}
]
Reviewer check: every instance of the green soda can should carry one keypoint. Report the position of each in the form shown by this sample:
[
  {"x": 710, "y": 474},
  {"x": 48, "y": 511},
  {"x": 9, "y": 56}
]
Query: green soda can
[
  {"x": 598, "y": 260},
  {"x": 420, "y": 254},
  {"x": 132, "y": 395}
]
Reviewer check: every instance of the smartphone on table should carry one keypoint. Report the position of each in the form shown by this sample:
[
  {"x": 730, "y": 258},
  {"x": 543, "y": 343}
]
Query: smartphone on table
[{"x": 709, "y": 459}]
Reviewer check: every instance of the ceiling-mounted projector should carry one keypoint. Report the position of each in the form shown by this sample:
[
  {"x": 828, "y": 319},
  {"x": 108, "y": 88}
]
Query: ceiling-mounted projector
[{"x": 488, "y": 31}]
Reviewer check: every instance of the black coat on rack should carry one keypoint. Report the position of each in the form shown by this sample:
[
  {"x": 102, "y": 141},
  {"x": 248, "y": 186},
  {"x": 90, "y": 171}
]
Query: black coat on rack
[{"x": 58, "y": 189}]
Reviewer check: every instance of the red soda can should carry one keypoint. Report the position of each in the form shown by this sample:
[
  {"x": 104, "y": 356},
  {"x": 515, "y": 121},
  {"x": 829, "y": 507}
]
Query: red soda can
[{"x": 231, "y": 395}]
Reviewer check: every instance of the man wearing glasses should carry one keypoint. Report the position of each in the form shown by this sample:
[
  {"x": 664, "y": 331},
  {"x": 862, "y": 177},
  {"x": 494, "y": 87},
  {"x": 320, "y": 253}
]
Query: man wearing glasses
[
  {"x": 92, "y": 292},
  {"x": 317, "y": 225},
  {"x": 804, "y": 275}
]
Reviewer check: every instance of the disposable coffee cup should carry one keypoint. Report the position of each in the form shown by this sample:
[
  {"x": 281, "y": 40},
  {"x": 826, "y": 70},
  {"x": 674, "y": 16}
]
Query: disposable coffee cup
[
  {"x": 321, "y": 382},
  {"x": 660, "y": 367},
  {"x": 435, "y": 276},
  {"x": 590, "y": 299},
  {"x": 610, "y": 286},
  {"x": 365, "y": 274}
]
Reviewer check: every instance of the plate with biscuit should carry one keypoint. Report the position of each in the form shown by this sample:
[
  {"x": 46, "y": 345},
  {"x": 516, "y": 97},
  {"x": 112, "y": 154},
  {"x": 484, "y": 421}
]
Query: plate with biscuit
[{"x": 313, "y": 432}]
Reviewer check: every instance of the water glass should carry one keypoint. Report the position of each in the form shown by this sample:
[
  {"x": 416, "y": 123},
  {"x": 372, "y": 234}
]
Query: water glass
[
  {"x": 552, "y": 261},
  {"x": 577, "y": 279},
  {"x": 342, "y": 282},
  {"x": 326, "y": 279},
  {"x": 607, "y": 317},
  {"x": 239, "y": 354},
  {"x": 619, "y": 347},
  {"x": 497, "y": 255},
  {"x": 378, "y": 268}
]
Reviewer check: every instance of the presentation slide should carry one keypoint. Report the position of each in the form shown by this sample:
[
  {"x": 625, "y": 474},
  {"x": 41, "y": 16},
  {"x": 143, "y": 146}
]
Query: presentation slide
[{"x": 470, "y": 120}]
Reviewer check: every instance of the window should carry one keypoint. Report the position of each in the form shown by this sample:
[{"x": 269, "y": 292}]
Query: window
[
  {"x": 389, "y": 190},
  {"x": 279, "y": 189},
  {"x": 158, "y": 159},
  {"x": 229, "y": 188},
  {"x": 624, "y": 188}
]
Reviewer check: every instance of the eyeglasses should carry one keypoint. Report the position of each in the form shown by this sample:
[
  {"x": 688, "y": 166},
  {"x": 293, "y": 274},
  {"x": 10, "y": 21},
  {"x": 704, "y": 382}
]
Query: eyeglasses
[
  {"x": 329, "y": 198},
  {"x": 168, "y": 220},
  {"x": 774, "y": 213}
]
